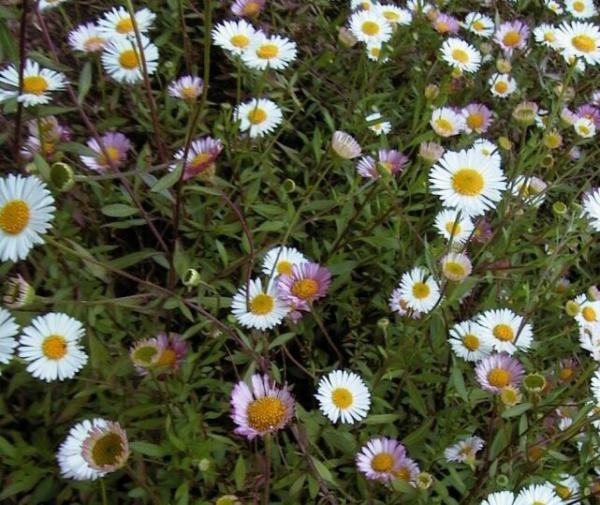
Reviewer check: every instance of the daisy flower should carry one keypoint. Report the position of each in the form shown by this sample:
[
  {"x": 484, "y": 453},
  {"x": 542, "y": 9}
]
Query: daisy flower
[
  {"x": 115, "y": 145},
  {"x": 467, "y": 342},
  {"x": 187, "y": 87},
  {"x": 51, "y": 346},
  {"x": 390, "y": 161},
  {"x": 589, "y": 312},
  {"x": 584, "y": 127},
  {"x": 145, "y": 354},
  {"x": 477, "y": 118},
  {"x": 362, "y": 4},
  {"x": 255, "y": 307},
  {"x": 480, "y": 24},
  {"x": 263, "y": 409},
  {"x": 590, "y": 112},
  {"x": 345, "y": 145},
  {"x": 117, "y": 23},
  {"x": 26, "y": 209},
  {"x": 464, "y": 451},
  {"x": 259, "y": 116},
  {"x": 247, "y": 8},
  {"x": 200, "y": 159},
  {"x": 443, "y": 23},
  {"x": 554, "y": 6},
  {"x": 165, "y": 352},
  {"x": 307, "y": 283},
  {"x": 461, "y": 55},
  {"x": 87, "y": 39},
  {"x": 407, "y": 471},
  {"x": 581, "y": 9},
  {"x": 379, "y": 127},
  {"x": 374, "y": 52},
  {"x": 500, "y": 498},
  {"x": 488, "y": 150},
  {"x": 398, "y": 304},
  {"x": 454, "y": 226},
  {"x": 497, "y": 371},
  {"x": 467, "y": 181},
  {"x": 8, "y": 330},
  {"x": 380, "y": 458},
  {"x": 591, "y": 208},
  {"x": 394, "y": 14},
  {"x": 38, "y": 82},
  {"x": 121, "y": 60},
  {"x": 512, "y": 35},
  {"x": 49, "y": 4},
  {"x": 343, "y": 395},
  {"x": 505, "y": 330},
  {"x": 537, "y": 494},
  {"x": 530, "y": 190},
  {"x": 281, "y": 260},
  {"x": 502, "y": 85},
  {"x": 579, "y": 40},
  {"x": 234, "y": 36},
  {"x": 93, "y": 449},
  {"x": 275, "y": 52},
  {"x": 446, "y": 122},
  {"x": 456, "y": 266},
  {"x": 370, "y": 26},
  {"x": 545, "y": 35},
  {"x": 419, "y": 289}
]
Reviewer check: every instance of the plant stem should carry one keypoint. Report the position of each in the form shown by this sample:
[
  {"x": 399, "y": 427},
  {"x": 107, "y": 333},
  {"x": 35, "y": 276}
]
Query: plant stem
[{"x": 22, "y": 59}]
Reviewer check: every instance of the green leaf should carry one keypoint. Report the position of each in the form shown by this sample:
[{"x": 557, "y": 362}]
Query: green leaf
[
  {"x": 148, "y": 449},
  {"x": 168, "y": 180},
  {"x": 85, "y": 82},
  {"x": 118, "y": 210},
  {"x": 322, "y": 470},
  {"x": 239, "y": 473}
]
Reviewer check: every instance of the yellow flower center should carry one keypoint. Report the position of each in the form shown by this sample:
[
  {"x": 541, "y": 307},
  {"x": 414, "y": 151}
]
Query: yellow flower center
[
  {"x": 251, "y": 8},
  {"x": 498, "y": 377},
  {"x": 168, "y": 357},
  {"x": 261, "y": 304},
  {"x": 588, "y": 314},
  {"x": 107, "y": 450},
  {"x": 583, "y": 130},
  {"x": 509, "y": 396},
  {"x": 189, "y": 91},
  {"x": 382, "y": 462},
  {"x": 403, "y": 473},
  {"x": 444, "y": 126},
  {"x": 129, "y": 59},
  {"x": 460, "y": 56},
  {"x": 511, "y": 38},
  {"x": 466, "y": 452},
  {"x": 563, "y": 491},
  {"x": 265, "y": 413},
  {"x": 113, "y": 155},
  {"x": 124, "y": 25},
  {"x": 467, "y": 182},
  {"x": 501, "y": 87},
  {"x": 257, "y": 115},
  {"x": 284, "y": 267},
  {"x": 341, "y": 398},
  {"x": 565, "y": 373},
  {"x": 54, "y": 347},
  {"x": 375, "y": 51},
  {"x": 471, "y": 342},
  {"x": 34, "y": 84},
  {"x": 386, "y": 166},
  {"x": 93, "y": 43},
  {"x": 370, "y": 28},
  {"x": 200, "y": 159},
  {"x": 420, "y": 290},
  {"x": 305, "y": 289},
  {"x": 267, "y": 51},
  {"x": 391, "y": 16},
  {"x": 475, "y": 120},
  {"x": 579, "y": 6},
  {"x": 14, "y": 217},
  {"x": 584, "y": 43},
  {"x": 442, "y": 27},
  {"x": 549, "y": 37},
  {"x": 503, "y": 332},
  {"x": 478, "y": 25},
  {"x": 453, "y": 228},
  {"x": 240, "y": 41},
  {"x": 454, "y": 269}
]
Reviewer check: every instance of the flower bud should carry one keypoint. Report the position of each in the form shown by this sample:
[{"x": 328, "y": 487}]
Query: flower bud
[
  {"x": 431, "y": 91},
  {"x": 345, "y": 37},
  {"x": 289, "y": 186},
  {"x": 559, "y": 208},
  {"x": 19, "y": 293},
  {"x": 191, "y": 278},
  {"x": 62, "y": 176}
]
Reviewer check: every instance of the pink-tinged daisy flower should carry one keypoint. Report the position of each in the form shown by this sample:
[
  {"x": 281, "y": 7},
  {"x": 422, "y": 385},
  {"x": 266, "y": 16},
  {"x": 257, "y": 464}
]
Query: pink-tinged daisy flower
[
  {"x": 201, "y": 156},
  {"x": 308, "y": 282},
  {"x": 173, "y": 351},
  {"x": 345, "y": 145},
  {"x": 497, "y": 371},
  {"x": 380, "y": 459},
  {"x": 263, "y": 409},
  {"x": 87, "y": 39},
  {"x": 247, "y": 8},
  {"x": 465, "y": 450},
  {"x": 390, "y": 161},
  {"x": 44, "y": 135},
  {"x": 399, "y": 305},
  {"x": 477, "y": 118},
  {"x": 187, "y": 87},
  {"x": 408, "y": 470},
  {"x": 106, "y": 448},
  {"x": 590, "y": 112},
  {"x": 512, "y": 35},
  {"x": 116, "y": 146},
  {"x": 443, "y": 23}
]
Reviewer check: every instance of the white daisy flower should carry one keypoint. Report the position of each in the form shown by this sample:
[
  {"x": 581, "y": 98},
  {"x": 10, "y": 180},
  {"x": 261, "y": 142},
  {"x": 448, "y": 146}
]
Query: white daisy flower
[
  {"x": 545, "y": 35},
  {"x": 186, "y": 87},
  {"x": 530, "y": 189},
  {"x": 488, "y": 150},
  {"x": 554, "y": 6},
  {"x": 581, "y": 9},
  {"x": 419, "y": 289},
  {"x": 394, "y": 14},
  {"x": 479, "y": 24},
  {"x": 454, "y": 225},
  {"x": 234, "y": 36},
  {"x": 343, "y": 395},
  {"x": 591, "y": 208},
  {"x": 374, "y": 52},
  {"x": 26, "y": 209},
  {"x": 464, "y": 451},
  {"x": 456, "y": 266},
  {"x": 467, "y": 181},
  {"x": 500, "y": 498},
  {"x": 370, "y": 27},
  {"x": 121, "y": 60},
  {"x": 584, "y": 127},
  {"x": 589, "y": 313},
  {"x": 502, "y": 85},
  {"x": 258, "y": 116},
  {"x": 398, "y": 305},
  {"x": 70, "y": 453},
  {"x": 49, "y": 4},
  {"x": 447, "y": 122},
  {"x": 38, "y": 82},
  {"x": 255, "y": 307},
  {"x": 379, "y": 127},
  {"x": 280, "y": 260},
  {"x": 275, "y": 52},
  {"x": 505, "y": 330},
  {"x": 579, "y": 40},
  {"x": 117, "y": 23},
  {"x": 87, "y": 39},
  {"x": 51, "y": 346},
  {"x": 537, "y": 494},
  {"x": 595, "y": 386},
  {"x": 461, "y": 55},
  {"x": 467, "y": 342},
  {"x": 8, "y": 329},
  {"x": 361, "y": 4}
]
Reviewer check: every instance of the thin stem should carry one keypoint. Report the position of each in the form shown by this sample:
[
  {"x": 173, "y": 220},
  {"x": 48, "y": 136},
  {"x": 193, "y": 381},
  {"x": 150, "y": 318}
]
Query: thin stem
[
  {"x": 22, "y": 60},
  {"x": 207, "y": 46},
  {"x": 324, "y": 330},
  {"x": 267, "y": 488},
  {"x": 103, "y": 491},
  {"x": 187, "y": 48}
]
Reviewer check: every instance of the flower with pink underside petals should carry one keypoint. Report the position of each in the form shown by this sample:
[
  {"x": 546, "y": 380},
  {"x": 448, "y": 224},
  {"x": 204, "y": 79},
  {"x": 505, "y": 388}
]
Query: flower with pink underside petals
[
  {"x": 512, "y": 35},
  {"x": 116, "y": 146},
  {"x": 498, "y": 371},
  {"x": 263, "y": 409},
  {"x": 389, "y": 160},
  {"x": 380, "y": 459},
  {"x": 247, "y": 8},
  {"x": 308, "y": 282},
  {"x": 444, "y": 23},
  {"x": 187, "y": 87},
  {"x": 477, "y": 118},
  {"x": 200, "y": 159}
]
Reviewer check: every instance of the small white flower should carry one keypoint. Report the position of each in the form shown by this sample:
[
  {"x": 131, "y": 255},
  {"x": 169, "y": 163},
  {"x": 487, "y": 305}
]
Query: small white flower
[
  {"x": 581, "y": 9},
  {"x": 8, "y": 329},
  {"x": 234, "y": 36},
  {"x": 584, "y": 127},
  {"x": 377, "y": 126},
  {"x": 479, "y": 24},
  {"x": 122, "y": 60},
  {"x": 87, "y": 38},
  {"x": 280, "y": 260},
  {"x": 537, "y": 494},
  {"x": 461, "y": 55},
  {"x": 370, "y": 26},
  {"x": 447, "y": 122},
  {"x": 255, "y": 307},
  {"x": 259, "y": 117},
  {"x": 454, "y": 226},
  {"x": 343, "y": 395},
  {"x": 275, "y": 52},
  {"x": 465, "y": 450},
  {"x": 420, "y": 290},
  {"x": 38, "y": 82},
  {"x": 591, "y": 208},
  {"x": 467, "y": 341},
  {"x": 502, "y": 85},
  {"x": 505, "y": 330},
  {"x": 117, "y": 23}
]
